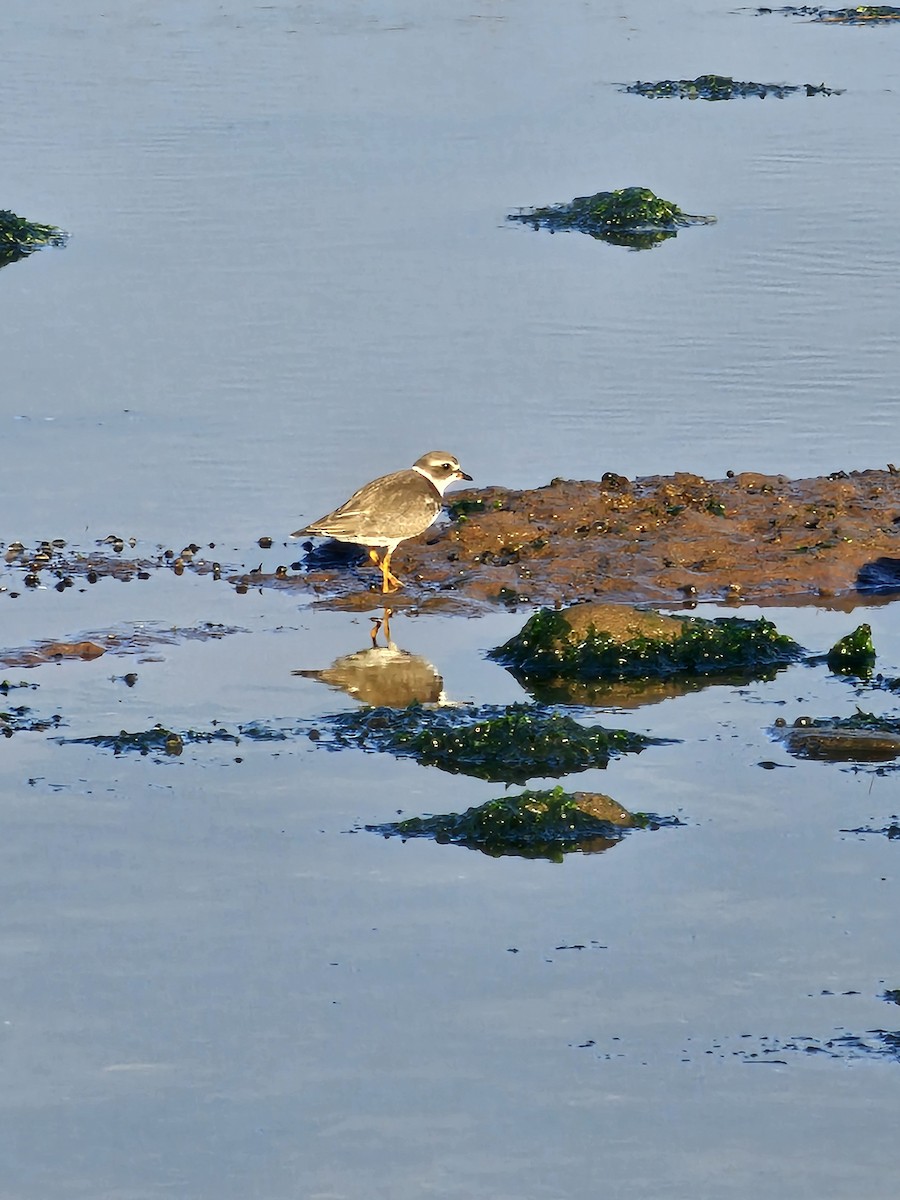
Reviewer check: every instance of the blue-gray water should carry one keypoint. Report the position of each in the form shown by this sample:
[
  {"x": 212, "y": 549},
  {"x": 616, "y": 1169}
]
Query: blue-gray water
[
  {"x": 289, "y": 270},
  {"x": 290, "y": 267}
]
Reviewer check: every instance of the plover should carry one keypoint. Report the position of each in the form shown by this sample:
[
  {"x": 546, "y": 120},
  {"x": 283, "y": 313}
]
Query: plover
[{"x": 390, "y": 509}]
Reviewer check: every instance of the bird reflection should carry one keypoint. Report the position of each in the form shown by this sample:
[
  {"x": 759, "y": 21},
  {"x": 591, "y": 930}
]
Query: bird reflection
[{"x": 383, "y": 675}]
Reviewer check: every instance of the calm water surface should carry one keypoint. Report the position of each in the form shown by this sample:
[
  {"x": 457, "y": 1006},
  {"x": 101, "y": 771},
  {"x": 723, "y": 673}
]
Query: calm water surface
[
  {"x": 289, "y": 270},
  {"x": 290, "y": 266}
]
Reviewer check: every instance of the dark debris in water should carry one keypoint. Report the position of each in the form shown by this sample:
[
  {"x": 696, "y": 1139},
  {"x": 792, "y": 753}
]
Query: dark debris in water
[
  {"x": 500, "y": 744},
  {"x": 890, "y": 831},
  {"x": 723, "y": 87},
  {"x": 6, "y": 686},
  {"x": 862, "y": 14},
  {"x": 21, "y": 719},
  {"x": 533, "y": 824},
  {"x": 157, "y": 740},
  {"x": 873, "y": 1043},
  {"x": 769, "y": 1050},
  {"x": 51, "y": 562},
  {"x": 124, "y": 640},
  {"x": 632, "y": 217},
  {"x": 259, "y": 731},
  {"x": 160, "y": 739}
]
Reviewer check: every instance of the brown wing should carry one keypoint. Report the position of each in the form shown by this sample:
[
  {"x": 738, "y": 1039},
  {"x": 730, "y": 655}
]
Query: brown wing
[{"x": 387, "y": 510}]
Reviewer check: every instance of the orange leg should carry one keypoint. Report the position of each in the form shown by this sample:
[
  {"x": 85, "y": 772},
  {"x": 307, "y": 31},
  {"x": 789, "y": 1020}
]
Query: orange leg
[
  {"x": 389, "y": 581},
  {"x": 389, "y": 576}
]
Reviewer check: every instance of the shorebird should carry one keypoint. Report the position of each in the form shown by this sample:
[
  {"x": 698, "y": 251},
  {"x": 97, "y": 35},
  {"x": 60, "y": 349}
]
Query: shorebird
[{"x": 390, "y": 509}]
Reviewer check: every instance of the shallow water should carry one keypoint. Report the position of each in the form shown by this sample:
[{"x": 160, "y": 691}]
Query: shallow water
[
  {"x": 216, "y": 984},
  {"x": 289, "y": 270}
]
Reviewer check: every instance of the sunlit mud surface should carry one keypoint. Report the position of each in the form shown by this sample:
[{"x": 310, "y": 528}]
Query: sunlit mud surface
[{"x": 664, "y": 539}]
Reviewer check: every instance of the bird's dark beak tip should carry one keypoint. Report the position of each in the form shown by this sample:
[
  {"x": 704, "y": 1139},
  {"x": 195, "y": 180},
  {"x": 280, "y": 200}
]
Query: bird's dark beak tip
[{"x": 463, "y": 475}]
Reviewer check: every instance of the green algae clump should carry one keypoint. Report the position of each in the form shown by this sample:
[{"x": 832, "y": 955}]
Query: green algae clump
[
  {"x": 501, "y": 744},
  {"x": 631, "y": 216},
  {"x": 533, "y": 824},
  {"x": 723, "y": 87},
  {"x": 459, "y": 507},
  {"x": 853, "y": 654},
  {"x": 19, "y": 237},
  {"x": 616, "y": 642}
]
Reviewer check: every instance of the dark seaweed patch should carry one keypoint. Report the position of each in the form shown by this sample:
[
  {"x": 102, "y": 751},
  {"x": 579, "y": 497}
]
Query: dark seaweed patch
[
  {"x": 862, "y": 14},
  {"x": 723, "y": 87},
  {"x": 21, "y": 719},
  {"x": 157, "y": 740},
  {"x": 874, "y": 1043},
  {"x": 503, "y": 745}
]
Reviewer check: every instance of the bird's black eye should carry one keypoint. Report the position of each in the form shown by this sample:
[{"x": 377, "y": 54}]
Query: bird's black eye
[{"x": 446, "y": 466}]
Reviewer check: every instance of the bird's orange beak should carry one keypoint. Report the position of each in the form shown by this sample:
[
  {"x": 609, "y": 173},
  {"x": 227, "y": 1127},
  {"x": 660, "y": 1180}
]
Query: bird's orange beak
[{"x": 460, "y": 474}]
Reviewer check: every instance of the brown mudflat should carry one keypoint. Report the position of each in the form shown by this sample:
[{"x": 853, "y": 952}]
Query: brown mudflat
[
  {"x": 663, "y": 539},
  {"x": 749, "y": 537}
]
